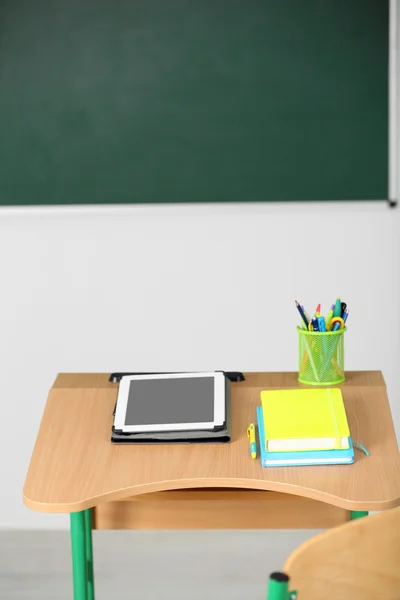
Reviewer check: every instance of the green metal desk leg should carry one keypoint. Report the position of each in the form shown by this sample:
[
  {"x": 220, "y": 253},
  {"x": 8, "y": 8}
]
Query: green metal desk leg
[
  {"x": 89, "y": 555},
  {"x": 78, "y": 545},
  {"x": 278, "y": 587},
  {"x": 357, "y": 514}
]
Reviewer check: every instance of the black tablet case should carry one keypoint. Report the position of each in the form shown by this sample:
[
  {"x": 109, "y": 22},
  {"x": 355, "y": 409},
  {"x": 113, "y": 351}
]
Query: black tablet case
[{"x": 219, "y": 435}]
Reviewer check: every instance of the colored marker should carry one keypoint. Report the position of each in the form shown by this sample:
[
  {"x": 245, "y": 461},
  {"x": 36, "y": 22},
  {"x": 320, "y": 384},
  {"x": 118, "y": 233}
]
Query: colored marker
[
  {"x": 314, "y": 324},
  {"x": 322, "y": 328},
  {"x": 337, "y": 311},
  {"x": 321, "y": 324},
  {"x": 251, "y": 434},
  {"x": 329, "y": 316},
  {"x": 301, "y": 311},
  {"x": 344, "y": 306},
  {"x": 318, "y": 311}
]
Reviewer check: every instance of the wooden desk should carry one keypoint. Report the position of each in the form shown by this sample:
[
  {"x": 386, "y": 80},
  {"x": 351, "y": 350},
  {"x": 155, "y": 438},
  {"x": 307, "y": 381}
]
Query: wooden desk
[{"x": 74, "y": 467}]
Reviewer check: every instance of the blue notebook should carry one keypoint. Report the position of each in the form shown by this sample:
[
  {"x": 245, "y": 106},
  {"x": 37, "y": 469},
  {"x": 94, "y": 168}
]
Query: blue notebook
[{"x": 292, "y": 459}]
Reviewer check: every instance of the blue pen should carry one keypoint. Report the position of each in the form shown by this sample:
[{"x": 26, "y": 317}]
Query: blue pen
[
  {"x": 321, "y": 324},
  {"x": 322, "y": 328}
]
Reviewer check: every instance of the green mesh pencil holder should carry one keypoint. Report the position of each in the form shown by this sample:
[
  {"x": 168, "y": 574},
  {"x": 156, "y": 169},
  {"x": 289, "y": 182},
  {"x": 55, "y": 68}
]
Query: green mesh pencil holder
[{"x": 321, "y": 357}]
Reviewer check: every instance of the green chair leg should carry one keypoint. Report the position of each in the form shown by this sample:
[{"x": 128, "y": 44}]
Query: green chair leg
[
  {"x": 357, "y": 514},
  {"x": 78, "y": 546},
  {"x": 278, "y": 587},
  {"x": 89, "y": 555}
]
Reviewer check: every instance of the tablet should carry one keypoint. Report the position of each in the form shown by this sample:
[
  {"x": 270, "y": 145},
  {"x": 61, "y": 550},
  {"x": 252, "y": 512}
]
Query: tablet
[{"x": 173, "y": 402}]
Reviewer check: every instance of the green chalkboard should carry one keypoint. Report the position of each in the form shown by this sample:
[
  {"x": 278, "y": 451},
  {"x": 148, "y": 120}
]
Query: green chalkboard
[{"x": 121, "y": 101}]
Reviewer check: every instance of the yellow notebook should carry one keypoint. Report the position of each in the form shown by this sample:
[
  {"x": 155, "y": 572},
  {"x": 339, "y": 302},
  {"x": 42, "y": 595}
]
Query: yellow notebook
[{"x": 304, "y": 419}]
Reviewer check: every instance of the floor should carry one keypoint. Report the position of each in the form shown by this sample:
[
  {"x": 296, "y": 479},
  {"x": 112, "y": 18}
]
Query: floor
[{"x": 147, "y": 564}]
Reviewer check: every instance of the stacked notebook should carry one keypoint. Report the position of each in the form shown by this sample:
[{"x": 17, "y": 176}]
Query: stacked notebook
[{"x": 303, "y": 427}]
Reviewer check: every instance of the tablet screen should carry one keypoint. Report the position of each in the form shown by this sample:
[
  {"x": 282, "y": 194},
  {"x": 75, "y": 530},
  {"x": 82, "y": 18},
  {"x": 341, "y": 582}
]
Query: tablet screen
[{"x": 160, "y": 401}]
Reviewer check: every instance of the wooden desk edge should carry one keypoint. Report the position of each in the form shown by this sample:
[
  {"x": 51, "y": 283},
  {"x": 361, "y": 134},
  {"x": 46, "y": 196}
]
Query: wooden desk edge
[
  {"x": 273, "y": 379},
  {"x": 243, "y": 484}
]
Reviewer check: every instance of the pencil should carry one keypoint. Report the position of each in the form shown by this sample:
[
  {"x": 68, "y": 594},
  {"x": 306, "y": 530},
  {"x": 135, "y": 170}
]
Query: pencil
[{"x": 301, "y": 311}]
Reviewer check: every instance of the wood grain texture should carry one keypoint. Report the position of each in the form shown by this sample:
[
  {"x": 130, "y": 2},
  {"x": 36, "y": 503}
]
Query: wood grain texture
[
  {"x": 217, "y": 509},
  {"x": 357, "y": 561},
  {"x": 74, "y": 465},
  {"x": 84, "y": 380}
]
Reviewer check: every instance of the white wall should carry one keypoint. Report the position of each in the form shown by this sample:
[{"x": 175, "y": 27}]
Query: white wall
[{"x": 180, "y": 287}]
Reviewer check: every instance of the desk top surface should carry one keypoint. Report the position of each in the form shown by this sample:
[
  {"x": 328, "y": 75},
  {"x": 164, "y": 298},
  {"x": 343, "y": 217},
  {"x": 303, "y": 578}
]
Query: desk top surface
[{"x": 74, "y": 466}]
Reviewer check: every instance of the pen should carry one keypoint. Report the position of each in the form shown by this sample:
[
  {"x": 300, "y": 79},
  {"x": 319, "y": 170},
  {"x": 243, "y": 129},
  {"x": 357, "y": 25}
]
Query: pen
[
  {"x": 321, "y": 324},
  {"x": 251, "y": 434},
  {"x": 344, "y": 306},
  {"x": 301, "y": 311},
  {"x": 314, "y": 323}
]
